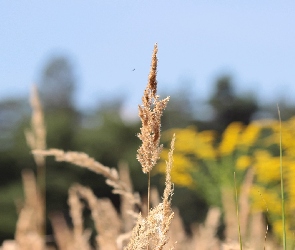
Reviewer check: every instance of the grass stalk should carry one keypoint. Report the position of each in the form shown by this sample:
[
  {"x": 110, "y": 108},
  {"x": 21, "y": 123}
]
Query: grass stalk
[
  {"x": 36, "y": 139},
  {"x": 282, "y": 183},
  {"x": 149, "y": 192},
  {"x": 150, "y": 113},
  {"x": 238, "y": 217},
  {"x": 148, "y": 199}
]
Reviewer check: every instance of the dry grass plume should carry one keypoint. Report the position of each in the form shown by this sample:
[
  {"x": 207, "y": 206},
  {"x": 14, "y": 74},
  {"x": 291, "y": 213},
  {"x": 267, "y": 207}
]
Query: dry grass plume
[{"x": 150, "y": 113}]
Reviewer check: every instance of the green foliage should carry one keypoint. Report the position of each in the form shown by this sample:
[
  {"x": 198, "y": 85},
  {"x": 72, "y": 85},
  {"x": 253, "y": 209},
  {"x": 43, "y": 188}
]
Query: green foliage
[
  {"x": 10, "y": 196},
  {"x": 230, "y": 107}
]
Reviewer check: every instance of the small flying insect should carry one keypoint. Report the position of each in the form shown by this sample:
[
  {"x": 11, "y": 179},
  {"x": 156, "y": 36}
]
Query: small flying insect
[{"x": 133, "y": 69}]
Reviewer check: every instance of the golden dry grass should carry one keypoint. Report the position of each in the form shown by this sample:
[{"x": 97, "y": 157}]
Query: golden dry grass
[
  {"x": 150, "y": 113},
  {"x": 128, "y": 230}
]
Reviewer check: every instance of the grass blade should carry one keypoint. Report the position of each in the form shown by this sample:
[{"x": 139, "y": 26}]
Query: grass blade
[
  {"x": 282, "y": 183},
  {"x": 238, "y": 217}
]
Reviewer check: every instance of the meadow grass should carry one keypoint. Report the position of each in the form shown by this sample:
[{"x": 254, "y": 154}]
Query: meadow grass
[{"x": 159, "y": 228}]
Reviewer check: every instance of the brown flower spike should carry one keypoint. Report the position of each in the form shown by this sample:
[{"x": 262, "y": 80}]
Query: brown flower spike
[{"x": 150, "y": 113}]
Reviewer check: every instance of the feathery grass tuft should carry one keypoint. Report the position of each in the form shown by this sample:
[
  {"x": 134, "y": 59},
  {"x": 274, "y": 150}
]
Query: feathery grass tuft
[
  {"x": 150, "y": 113},
  {"x": 152, "y": 231}
]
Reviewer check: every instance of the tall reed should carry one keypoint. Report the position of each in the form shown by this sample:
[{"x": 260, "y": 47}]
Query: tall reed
[{"x": 150, "y": 113}]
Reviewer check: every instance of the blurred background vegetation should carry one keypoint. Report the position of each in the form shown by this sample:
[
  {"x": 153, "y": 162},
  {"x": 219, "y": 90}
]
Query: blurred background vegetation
[{"x": 108, "y": 136}]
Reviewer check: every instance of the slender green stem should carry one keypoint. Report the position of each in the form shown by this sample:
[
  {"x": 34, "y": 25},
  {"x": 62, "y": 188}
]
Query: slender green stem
[
  {"x": 282, "y": 185},
  {"x": 149, "y": 192},
  {"x": 238, "y": 217},
  {"x": 148, "y": 199}
]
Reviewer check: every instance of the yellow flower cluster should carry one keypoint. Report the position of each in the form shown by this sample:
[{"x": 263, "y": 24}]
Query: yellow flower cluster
[
  {"x": 202, "y": 158},
  {"x": 266, "y": 166},
  {"x": 266, "y": 163},
  {"x": 250, "y": 134},
  {"x": 243, "y": 162},
  {"x": 194, "y": 148},
  {"x": 230, "y": 138}
]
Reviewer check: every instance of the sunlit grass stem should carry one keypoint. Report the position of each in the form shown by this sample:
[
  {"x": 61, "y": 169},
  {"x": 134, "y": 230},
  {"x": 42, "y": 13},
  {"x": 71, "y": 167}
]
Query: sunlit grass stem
[
  {"x": 282, "y": 184},
  {"x": 238, "y": 216}
]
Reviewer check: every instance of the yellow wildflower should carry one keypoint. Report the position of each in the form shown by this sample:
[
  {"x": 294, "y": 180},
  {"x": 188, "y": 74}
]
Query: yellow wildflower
[
  {"x": 182, "y": 168},
  {"x": 205, "y": 152},
  {"x": 186, "y": 140},
  {"x": 250, "y": 134},
  {"x": 266, "y": 166},
  {"x": 205, "y": 148},
  {"x": 182, "y": 179},
  {"x": 207, "y": 136},
  {"x": 243, "y": 162},
  {"x": 289, "y": 182},
  {"x": 230, "y": 138},
  {"x": 264, "y": 199}
]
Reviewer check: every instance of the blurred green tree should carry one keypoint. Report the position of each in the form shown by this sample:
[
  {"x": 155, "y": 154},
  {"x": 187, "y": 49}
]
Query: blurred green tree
[
  {"x": 108, "y": 138},
  {"x": 13, "y": 156},
  {"x": 57, "y": 89},
  {"x": 179, "y": 112},
  {"x": 57, "y": 84},
  {"x": 230, "y": 107}
]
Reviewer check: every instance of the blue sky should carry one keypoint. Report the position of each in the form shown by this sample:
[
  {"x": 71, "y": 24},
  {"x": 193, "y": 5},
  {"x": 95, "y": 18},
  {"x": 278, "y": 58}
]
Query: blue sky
[{"x": 198, "y": 41}]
